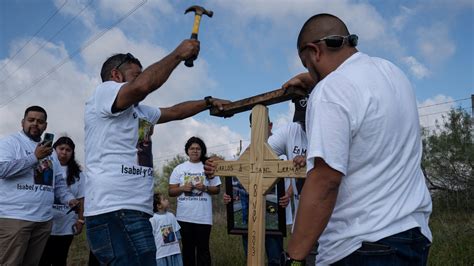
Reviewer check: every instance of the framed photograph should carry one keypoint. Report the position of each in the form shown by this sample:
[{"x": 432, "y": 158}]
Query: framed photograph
[{"x": 237, "y": 209}]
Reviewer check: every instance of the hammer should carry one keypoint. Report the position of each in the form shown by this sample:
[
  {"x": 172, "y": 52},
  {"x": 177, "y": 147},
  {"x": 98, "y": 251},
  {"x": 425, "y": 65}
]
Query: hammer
[{"x": 198, "y": 11}]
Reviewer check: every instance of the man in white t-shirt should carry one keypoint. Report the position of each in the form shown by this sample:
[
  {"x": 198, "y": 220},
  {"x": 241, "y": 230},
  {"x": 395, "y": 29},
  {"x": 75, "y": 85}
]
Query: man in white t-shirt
[
  {"x": 365, "y": 192},
  {"x": 30, "y": 178},
  {"x": 291, "y": 141},
  {"x": 118, "y": 193}
]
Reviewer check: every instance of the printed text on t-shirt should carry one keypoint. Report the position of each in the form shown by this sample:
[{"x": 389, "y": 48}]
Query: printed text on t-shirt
[{"x": 141, "y": 171}]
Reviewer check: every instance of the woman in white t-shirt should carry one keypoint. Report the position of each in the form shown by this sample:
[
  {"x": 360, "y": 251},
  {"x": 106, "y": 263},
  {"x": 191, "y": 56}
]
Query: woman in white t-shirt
[
  {"x": 189, "y": 183},
  {"x": 66, "y": 223}
]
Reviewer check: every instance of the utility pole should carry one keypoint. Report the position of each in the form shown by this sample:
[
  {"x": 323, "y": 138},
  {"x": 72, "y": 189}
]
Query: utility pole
[
  {"x": 472, "y": 114},
  {"x": 472, "y": 106}
]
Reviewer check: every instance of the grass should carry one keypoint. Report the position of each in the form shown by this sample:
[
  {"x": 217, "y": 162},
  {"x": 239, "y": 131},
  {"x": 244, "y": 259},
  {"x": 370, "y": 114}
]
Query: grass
[
  {"x": 453, "y": 238},
  {"x": 453, "y": 233}
]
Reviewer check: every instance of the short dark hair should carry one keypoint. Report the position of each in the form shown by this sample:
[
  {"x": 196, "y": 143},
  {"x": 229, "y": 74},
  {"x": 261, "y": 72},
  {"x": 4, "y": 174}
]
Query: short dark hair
[
  {"x": 113, "y": 61},
  {"x": 36, "y": 108},
  {"x": 250, "y": 119},
  {"x": 156, "y": 201},
  {"x": 199, "y": 142},
  {"x": 319, "y": 26}
]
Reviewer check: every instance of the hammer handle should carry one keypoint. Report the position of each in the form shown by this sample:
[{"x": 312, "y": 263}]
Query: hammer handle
[
  {"x": 194, "y": 35},
  {"x": 197, "y": 21}
]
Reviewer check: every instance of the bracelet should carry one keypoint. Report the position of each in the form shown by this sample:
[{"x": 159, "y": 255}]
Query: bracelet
[
  {"x": 81, "y": 221},
  {"x": 286, "y": 260},
  {"x": 206, "y": 189},
  {"x": 207, "y": 99}
]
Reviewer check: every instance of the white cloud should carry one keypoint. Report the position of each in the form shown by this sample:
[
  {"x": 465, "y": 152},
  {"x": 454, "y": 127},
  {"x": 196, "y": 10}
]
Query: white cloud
[
  {"x": 416, "y": 68},
  {"x": 77, "y": 10},
  {"x": 284, "y": 118},
  {"x": 433, "y": 109},
  {"x": 255, "y": 27},
  {"x": 122, "y": 7},
  {"x": 361, "y": 17},
  {"x": 435, "y": 43},
  {"x": 399, "y": 22}
]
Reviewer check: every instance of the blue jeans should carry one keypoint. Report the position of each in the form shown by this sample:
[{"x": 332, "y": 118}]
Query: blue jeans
[
  {"x": 123, "y": 237},
  {"x": 273, "y": 248},
  {"x": 406, "y": 248}
]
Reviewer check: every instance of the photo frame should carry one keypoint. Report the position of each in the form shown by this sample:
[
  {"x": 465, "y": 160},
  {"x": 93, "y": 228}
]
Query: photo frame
[{"x": 275, "y": 219}]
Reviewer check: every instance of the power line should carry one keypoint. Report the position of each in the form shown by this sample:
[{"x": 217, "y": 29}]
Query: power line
[
  {"x": 47, "y": 41},
  {"x": 453, "y": 101},
  {"x": 68, "y": 58},
  {"x": 34, "y": 35},
  {"x": 442, "y": 112}
]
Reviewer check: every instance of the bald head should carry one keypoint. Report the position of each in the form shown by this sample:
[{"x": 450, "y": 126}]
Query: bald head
[{"x": 320, "y": 26}]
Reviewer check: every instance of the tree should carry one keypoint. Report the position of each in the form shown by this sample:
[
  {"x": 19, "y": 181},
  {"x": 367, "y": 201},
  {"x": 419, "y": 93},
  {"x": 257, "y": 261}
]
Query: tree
[
  {"x": 448, "y": 154},
  {"x": 161, "y": 180}
]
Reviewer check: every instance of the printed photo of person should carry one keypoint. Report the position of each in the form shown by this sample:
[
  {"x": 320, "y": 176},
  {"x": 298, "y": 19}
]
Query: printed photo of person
[
  {"x": 168, "y": 234},
  {"x": 194, "y": 180},
  {"x": 144, "y": 146},
  {"x": 44, "y": 173}
]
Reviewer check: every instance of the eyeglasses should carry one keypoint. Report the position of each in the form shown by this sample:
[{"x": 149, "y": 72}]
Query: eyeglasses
[
  {"x": 128, "y": 57},
  {"x": 335, "y": 41}
]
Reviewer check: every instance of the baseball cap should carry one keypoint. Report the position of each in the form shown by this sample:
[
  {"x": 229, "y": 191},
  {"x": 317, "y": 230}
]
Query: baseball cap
[{"x": 300, "y": 109}]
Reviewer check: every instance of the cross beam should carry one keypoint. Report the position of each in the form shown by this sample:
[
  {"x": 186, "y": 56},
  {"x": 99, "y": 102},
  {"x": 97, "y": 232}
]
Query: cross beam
[
  {"x": 258, "y": 169},
  {"x": 267, "y": 98}
]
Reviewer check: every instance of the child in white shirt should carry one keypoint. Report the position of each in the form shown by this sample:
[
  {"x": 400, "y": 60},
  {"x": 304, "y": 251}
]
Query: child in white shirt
[{"x": 166, "y": 232}]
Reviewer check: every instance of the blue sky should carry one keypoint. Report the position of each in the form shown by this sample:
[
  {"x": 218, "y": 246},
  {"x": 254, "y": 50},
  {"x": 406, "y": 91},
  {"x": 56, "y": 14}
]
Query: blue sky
[{"x": 51, "y": 53}]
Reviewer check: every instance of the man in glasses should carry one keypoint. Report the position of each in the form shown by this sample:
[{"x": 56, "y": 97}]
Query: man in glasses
[
  {"x": 119, "y": 190},
  {"x": 365, "y": 199}
]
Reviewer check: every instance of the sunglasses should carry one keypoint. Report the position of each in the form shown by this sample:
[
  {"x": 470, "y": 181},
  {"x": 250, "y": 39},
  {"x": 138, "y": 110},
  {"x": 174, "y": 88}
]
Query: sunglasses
[
  {"x": 335, "y": 41},
  {"x": 128, "y": 57}
]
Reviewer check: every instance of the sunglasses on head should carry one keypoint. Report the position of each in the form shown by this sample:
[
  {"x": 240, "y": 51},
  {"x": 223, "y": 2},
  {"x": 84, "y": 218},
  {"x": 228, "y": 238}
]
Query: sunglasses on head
[
  {"x": 128, "y": 57},
  {"x": 335, "y": 41}
]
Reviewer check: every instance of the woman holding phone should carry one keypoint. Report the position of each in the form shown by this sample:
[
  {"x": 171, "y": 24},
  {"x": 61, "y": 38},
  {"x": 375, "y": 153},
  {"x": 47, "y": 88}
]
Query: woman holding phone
[{"x": 66, "y": 223}]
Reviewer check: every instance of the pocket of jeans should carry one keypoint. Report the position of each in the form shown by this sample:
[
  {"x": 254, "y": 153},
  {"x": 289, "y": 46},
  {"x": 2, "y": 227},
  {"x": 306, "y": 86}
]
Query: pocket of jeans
[
  {"x": 139, "y": 231},
  {"x": 369, "y": 248},
  {"x": 100, "y": 243}
]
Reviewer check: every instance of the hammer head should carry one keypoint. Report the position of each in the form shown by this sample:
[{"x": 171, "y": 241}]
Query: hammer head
[{"x": 199, "y": 10}]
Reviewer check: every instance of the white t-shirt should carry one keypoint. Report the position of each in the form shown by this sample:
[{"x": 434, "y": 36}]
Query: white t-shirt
[
  {"x": 362, "y": 119},
  {"x": 28, "y": 186},
  {"x": 63, "y": 221},
  {"x": 114, "y": 179},
  {"x": 194, "y": 206},
  {"x": 291, "y": 141},
  {"x": 165, "y": 226}
]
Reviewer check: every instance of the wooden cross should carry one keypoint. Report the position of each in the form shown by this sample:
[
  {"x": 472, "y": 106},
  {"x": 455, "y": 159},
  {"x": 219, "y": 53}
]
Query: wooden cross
[{"x": 258, "y": 168}]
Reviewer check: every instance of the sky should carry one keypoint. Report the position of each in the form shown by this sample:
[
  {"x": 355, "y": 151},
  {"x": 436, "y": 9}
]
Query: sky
[{"x": 51, "y": 52}]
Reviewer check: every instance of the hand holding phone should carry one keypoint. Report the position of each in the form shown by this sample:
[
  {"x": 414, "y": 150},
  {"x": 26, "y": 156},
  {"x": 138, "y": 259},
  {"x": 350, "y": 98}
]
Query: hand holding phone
[
  {"x": 48, "y": 139},
  {"x": 44, "y": 147}
]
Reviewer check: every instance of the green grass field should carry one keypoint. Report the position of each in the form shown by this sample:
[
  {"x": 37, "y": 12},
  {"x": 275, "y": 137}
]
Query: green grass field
[{"x": 453, "y": 244}]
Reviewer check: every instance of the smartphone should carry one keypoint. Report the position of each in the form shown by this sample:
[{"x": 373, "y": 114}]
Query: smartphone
[
  {"x": 75, "y": 208},
  {"x": 48, "y": 139}
]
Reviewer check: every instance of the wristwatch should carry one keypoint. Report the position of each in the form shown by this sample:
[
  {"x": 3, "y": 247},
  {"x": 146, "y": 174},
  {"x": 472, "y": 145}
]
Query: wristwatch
[
  {"x": 208, "y": 102},
  {"x": 286, "y": 260}
]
